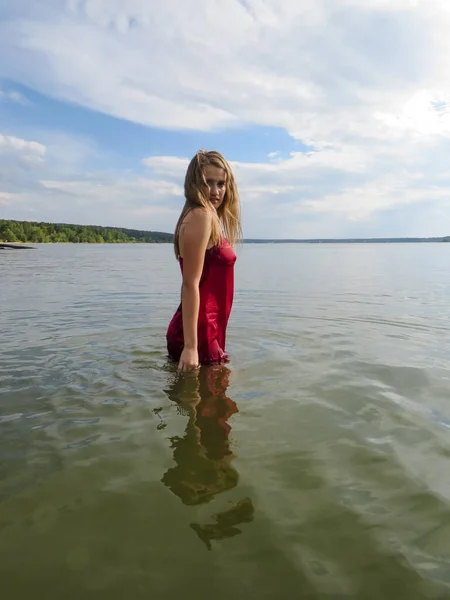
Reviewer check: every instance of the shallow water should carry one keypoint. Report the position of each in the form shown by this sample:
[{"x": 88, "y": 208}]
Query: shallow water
[{"x": 314, "y": 465}]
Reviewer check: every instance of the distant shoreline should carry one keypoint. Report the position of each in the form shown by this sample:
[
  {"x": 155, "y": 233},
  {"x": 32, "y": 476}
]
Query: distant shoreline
[
  {"x": 256, "y": 242},
  {"x": 33, "y": 232}
]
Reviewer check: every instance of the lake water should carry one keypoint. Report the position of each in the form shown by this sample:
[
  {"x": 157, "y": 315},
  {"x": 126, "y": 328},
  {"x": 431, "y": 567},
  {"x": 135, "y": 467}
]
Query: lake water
[{"x": 316, "y": 464}]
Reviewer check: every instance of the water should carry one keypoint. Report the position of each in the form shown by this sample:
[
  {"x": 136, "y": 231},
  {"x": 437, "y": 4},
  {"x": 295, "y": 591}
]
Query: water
[{"x": 315, "y": 465}]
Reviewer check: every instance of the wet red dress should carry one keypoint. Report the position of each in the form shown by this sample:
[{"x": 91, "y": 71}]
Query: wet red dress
[{"x": 216, "y": 299}]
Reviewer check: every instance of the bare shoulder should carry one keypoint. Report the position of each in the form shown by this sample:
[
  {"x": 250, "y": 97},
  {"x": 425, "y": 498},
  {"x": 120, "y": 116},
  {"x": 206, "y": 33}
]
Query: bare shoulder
[
  {"x": 196, "y": 222},
  {"x": 197, "y": 216},
  {"x": 195, "y": 232}
]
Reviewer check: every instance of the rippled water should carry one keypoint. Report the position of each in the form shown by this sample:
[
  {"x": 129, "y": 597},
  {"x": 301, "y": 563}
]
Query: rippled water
[{"x": 315, "y": 465}]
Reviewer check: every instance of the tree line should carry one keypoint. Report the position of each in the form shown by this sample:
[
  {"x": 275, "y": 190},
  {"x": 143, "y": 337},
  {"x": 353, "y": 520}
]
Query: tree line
[{"x": 38, "y": 233}]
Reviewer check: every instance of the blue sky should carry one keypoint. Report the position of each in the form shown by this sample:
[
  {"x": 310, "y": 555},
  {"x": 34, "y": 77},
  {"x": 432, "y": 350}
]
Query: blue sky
[{"x": 335, "y": 115}]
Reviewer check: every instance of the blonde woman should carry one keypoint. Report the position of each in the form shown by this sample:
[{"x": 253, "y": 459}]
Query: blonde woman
[{"x": 208, "y": 227}]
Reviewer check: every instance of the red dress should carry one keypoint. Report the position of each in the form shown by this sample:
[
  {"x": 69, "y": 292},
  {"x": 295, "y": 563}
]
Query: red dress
[{"x": 216, "y": 299}]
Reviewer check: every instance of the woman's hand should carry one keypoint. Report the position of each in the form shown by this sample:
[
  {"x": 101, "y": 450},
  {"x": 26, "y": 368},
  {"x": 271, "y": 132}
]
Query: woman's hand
[{"x": 188, "y": 360}]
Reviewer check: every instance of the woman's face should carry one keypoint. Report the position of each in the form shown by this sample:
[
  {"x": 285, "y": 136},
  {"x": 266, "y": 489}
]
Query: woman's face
[{"x": 216, "y": 179}]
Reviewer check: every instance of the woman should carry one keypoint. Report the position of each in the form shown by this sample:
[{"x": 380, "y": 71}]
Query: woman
[{"x": 208, "y": 227}]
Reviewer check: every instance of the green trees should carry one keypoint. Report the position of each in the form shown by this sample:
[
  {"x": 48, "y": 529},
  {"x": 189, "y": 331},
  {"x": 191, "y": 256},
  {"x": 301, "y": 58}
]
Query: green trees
[
  {"x": 26, "y": 231},
  {"x": 9, "y": 235}
]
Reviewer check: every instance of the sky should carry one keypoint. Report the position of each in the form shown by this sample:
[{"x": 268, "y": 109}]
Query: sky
[{"x": 334, "y": 114}]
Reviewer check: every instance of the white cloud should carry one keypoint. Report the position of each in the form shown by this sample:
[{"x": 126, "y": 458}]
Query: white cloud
[
  {"x": 59, "y": 189},
  {"x": 424, "y": 114},
  {"x": 361, "y": 203},
  {"x": 100, "y": 200},
  {"x": 365, "y": 85},
  {"x": 319, "y": 69},
  {"x": 21, "y": 162},
  {"x": 167, "y": 165},
  {"x": 26, "y": 152},
  {"x": 115, "y": 192},
  {"x": 319, "y": 193},
  {"x": 333, "y": 184}
]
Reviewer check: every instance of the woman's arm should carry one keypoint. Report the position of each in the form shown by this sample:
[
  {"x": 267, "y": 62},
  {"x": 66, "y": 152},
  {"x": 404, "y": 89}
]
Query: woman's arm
[{"x": 194, "y": 237}]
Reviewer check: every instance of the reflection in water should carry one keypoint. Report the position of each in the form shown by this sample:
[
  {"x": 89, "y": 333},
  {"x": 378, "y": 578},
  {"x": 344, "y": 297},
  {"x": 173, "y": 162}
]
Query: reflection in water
[
  {"x": 226, "y": 521},
  {"x": 203, "y": 455}
]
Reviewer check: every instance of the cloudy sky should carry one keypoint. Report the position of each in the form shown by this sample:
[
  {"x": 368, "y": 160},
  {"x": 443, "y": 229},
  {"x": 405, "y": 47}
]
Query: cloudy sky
[{"x": 335, "y": 114}]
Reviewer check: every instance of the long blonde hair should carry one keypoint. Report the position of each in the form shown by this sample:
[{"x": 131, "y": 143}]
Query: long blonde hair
[{"x": 226, "y": 221}]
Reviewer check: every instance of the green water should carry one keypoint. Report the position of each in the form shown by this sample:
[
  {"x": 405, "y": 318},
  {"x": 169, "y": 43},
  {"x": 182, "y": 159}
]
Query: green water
[{"x": 314, "y": 465}]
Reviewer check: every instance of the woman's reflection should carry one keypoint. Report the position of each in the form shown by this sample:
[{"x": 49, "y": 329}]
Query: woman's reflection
[{"x": 203, "y": 455}]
